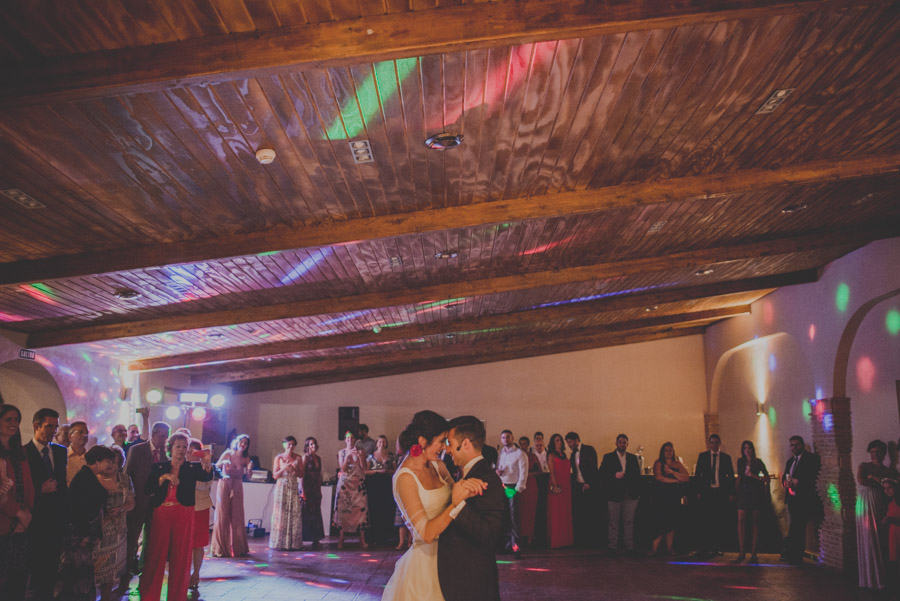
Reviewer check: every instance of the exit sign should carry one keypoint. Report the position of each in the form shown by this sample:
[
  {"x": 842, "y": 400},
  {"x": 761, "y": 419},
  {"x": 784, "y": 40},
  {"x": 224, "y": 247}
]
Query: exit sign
[{"x": 24, "y": 353}]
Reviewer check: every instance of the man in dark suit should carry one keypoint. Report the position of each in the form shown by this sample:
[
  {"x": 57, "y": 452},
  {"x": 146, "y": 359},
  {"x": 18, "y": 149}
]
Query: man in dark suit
[
  {"x": 715, "y": 483},
  {"x": 799, "y": 480},
  {"x": 47, "y": 462},
  {"x": 141, "y": 458},
  {"x": 584, "y": 491},
  {"x": 620, "y": 473},
  {"x": 467, "y": 560}
]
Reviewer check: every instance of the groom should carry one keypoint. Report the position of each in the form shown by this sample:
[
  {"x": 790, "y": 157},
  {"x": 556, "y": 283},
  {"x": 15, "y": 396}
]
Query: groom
[{"x": 467, "y": 564}]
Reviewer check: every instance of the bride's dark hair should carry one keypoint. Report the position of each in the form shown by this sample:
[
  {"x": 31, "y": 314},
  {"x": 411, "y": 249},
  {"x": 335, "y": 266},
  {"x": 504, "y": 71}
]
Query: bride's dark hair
[{"x": 426, "y": 424}]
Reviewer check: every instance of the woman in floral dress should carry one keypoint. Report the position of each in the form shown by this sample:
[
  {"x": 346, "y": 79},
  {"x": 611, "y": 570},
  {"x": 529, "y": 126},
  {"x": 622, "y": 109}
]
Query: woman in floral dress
[
  {"x": 110, "y": 553},
  {"x": 351, "y": 508},
  {"x": 287, "y": 525}
]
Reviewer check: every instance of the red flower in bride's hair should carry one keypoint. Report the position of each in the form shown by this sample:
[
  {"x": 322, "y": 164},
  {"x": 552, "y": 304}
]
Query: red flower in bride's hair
[{"x": 415, "y": 450}]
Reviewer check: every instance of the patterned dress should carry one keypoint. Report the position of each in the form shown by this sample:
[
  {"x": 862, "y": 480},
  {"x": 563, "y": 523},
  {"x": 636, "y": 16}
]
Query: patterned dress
[
  {"x": 311, "y": 506},
  {"x": 351, "y": 508},
  {"x": 287, "y": 525},
  {"x": 110, "y": 552}
]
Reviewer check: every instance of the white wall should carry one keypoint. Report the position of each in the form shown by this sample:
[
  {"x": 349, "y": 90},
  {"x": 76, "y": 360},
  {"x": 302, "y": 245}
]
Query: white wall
[
  {"x": 783, "y": 354},
  {"x": 653, "y": 391}
]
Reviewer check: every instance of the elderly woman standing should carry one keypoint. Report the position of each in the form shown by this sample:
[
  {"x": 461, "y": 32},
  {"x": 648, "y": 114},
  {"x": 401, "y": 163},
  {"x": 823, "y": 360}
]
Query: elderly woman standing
[
  {"x": 351, "y": 508},
  {"x": 87, "y": 498},
  {"x": 171, "y": 486},
  {"x": 16, "y": 503},
  {"x": 111, "y": 551}
]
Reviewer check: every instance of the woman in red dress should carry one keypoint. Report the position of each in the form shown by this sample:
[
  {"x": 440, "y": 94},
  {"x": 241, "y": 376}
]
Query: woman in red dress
[
  {"x": 559, "y": 501},
  {"x": 892, "y": 520}
]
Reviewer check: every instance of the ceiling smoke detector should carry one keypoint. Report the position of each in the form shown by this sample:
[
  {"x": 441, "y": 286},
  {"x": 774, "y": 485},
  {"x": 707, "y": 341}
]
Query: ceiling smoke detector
[
  {"x": 127, "y": 293},
  {"x": 444, "y": 141},
  {"x": 446, "y": 254},
  {"x": 265, "y": 156},
  {"x": 23, "y": 199}
]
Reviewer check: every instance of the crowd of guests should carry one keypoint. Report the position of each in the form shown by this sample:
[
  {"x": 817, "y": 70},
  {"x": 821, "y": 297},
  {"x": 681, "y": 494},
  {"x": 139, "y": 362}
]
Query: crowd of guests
[{"x": 77, "y": 519}]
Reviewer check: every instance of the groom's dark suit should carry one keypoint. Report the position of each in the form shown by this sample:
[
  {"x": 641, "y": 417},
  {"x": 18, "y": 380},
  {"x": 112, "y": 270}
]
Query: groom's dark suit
[{"x": 467, "y": 562}]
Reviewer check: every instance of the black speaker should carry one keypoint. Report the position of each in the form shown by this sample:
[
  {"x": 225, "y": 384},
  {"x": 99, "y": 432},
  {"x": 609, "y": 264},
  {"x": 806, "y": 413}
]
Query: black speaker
[{"x": 348, "y": 419}]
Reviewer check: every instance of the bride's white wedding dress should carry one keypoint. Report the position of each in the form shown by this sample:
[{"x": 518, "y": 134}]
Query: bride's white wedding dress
[{"x": 415, "y": 575}]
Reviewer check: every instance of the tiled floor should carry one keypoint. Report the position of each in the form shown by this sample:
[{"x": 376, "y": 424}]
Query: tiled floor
[{"x": 357, "y": 575}]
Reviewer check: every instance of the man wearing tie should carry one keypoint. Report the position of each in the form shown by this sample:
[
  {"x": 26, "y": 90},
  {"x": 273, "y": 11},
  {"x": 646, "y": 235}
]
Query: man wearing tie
[
  {"x": 799, "y": 481},
  {"x": 715, "y": 480},
  {"x": 141, "y": 458},
  {"x": 49, "y": 522},
  {"x": 584, "y": 481}
]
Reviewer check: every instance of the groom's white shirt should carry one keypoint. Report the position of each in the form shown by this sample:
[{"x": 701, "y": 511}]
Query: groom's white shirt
[{"x": 465, "y": 471}]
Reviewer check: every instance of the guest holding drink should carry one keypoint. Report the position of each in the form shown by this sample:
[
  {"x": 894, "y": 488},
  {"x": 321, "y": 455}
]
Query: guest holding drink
[
  {"x": 172, "y": 488},
  {"x": 287, "y": 524},
  {"x": 202, "y": 505},
  {"x": 230, "y": 529},
  {"x": 351, "y": 508},
  {"x": 311, "y": 497}
]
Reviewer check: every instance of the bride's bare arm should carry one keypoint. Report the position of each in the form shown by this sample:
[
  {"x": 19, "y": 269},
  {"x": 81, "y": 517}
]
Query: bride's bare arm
[{"x": 428, "y": 530}]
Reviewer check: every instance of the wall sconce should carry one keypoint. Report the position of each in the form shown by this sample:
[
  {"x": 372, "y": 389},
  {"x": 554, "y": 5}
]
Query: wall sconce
[{"x": 760, "y": 409}]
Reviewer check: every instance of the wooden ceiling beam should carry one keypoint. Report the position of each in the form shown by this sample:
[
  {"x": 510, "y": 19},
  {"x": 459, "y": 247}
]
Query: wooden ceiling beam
[
  {"x": 217, "y": 58},
  {"x": 557, "y": 277},
  {"x": 402, "y": 333},
  {"x": 512, "y": 347},
  {"x": 430, "y": 220}
]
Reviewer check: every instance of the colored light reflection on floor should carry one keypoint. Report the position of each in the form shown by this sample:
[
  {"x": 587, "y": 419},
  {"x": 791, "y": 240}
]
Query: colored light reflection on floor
[
  {"x": 727, "y": 565},
  {"x": 744, "y": 588},
  {"x": 676, "y": 598}
]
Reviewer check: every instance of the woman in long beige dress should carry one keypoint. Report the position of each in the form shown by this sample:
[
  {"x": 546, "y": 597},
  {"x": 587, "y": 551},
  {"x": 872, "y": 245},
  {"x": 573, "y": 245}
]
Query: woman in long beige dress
[
  {"x": 351, "y": 508},
  {"x": 230, "y": 529}
]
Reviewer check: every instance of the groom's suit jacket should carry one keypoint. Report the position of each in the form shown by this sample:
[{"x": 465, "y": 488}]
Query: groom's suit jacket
[{"x": 467, "y": 561}]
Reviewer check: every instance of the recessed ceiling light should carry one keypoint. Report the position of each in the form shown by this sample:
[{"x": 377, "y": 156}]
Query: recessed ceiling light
[
  {"x": 361, "y": 150},
  {"x": 396, "y": 261},
  {"x": 215, "y": 335},
  {"x": 653, "y": 308},
  {"x": 265, "y": 156},
  {"x": 444, "y": 141},
  {"x": 446, "y": 254},
  {"x": 705, "y": 271},
  {"x": 774, "y": 101},
  {"x": 23, "y": 199},
  {"x": 794, "y": 208},
  {"x": 126, "y": 293},
  {"x": 449, "y": 335}
]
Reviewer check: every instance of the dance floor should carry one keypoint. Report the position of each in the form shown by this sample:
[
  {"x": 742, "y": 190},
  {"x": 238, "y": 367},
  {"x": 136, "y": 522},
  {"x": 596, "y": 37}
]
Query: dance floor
[{"x": 360, "y": 575}]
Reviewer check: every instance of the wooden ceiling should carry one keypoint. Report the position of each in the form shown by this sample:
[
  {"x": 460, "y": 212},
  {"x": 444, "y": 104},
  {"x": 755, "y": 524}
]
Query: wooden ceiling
[{"x": 615, "y": 183}]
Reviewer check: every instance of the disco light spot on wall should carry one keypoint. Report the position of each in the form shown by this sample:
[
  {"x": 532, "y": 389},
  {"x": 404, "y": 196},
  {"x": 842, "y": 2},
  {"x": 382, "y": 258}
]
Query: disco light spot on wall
[
  {"x": 41, "y": 292},
  {"x": 842, "y": 297},
  {"x": 44, "y": 361},
  {"x": 545, "y": 247},
  {"x": 806, "y": 408},
  {"x": 828, "y": 422},
  {"x": 892, "y": 322},
  {"x": 772, "y": 415},
  {"x": 11, "y": 317},
  {"x": 834, "y": 496},
  {"x": 865, "y": 374},
  {"x": 79, "y": 392},
  {"x": 772, "y": 362},
  {"x": 66, "y": 371},
  {"x": 812, "y": 332},
  {"x": 768, "y": 313},
  {"x": 819, "y": 394}
]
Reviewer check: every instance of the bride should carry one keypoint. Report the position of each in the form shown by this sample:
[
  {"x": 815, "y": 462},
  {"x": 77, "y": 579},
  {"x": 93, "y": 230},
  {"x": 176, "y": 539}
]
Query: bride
[{"x": 425, "y": 493}]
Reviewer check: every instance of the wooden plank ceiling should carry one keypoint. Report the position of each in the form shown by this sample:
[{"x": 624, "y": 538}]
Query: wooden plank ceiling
[{"x": 615, "y": 183}]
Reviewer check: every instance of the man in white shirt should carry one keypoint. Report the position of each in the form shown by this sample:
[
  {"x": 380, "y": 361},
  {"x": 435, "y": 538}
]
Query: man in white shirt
[
  {"x": 78, "y": 437},
  {"x": 512, "y": 467}
]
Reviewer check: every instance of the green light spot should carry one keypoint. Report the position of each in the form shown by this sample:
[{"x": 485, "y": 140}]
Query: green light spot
[
  {"x": 332, "y": 556},
  {"x": 261, "y": 565},
  {"x": 268, "y": 254},
  {"x": 375, "y": 91},
  {"x": 439, "y": 303},
  {"x": 834, "y": 496},
  {"x": 772, "y": 416},
  {"x": 44, "y": 288},
  {"x": 86, "y": 357},
  {"x": 892, "y": 322},
  {"x": 503, "y": 562},
  {"x": 396, "y": 324},
  {"x": 806, "y": 407},
  {"x": 842, "y": 297}
]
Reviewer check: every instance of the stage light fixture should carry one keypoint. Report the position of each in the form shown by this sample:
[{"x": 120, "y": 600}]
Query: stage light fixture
[
  {"x": 198, "y": 414},
  {"x": 154, "y": 396},
  {"x": 173, "y": 412},
  {"x": 217, "y": 401}
]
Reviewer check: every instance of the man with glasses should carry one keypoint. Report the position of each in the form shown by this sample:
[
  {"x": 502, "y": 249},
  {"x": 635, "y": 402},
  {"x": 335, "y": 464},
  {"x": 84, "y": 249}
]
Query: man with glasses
[{"x": 799, "y": 481}]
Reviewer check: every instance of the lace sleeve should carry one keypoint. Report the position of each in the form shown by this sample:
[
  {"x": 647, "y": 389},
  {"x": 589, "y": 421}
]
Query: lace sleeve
[{"x": 411, "y": 503}]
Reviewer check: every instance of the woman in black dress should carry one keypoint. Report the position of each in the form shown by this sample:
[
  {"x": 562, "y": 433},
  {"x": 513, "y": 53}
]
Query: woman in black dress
[
  {"x": 87, "y": 498},
  {"x": 382, "y": 508},
  {"x": 311, "y": 497},
  {"x": 752, "y": 495},
  {"x": 671, "y": 477}
]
